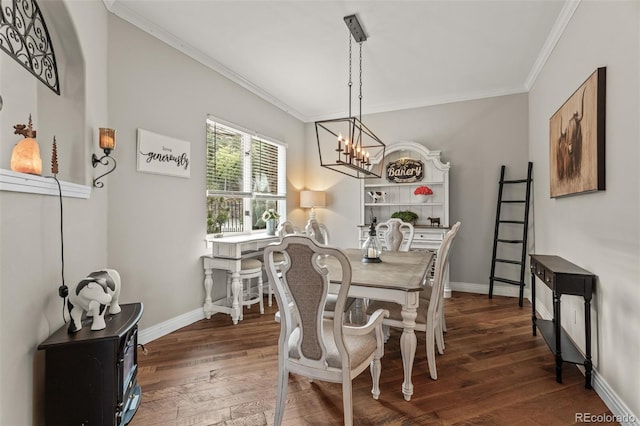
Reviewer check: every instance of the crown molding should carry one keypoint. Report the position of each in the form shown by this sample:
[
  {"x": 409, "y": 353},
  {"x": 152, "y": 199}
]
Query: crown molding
[
  {"x": 552, "y": 39},
  {"x": 167, "y": 37}
]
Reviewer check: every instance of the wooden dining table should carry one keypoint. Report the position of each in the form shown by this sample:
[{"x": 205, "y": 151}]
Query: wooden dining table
[{"x": 398, "y": 278}]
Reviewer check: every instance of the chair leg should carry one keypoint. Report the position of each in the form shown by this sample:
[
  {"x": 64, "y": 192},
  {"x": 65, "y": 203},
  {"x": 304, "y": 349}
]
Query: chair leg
[
  {"x": 386, "y": 332},
  {"x": 431, "y": 353},
  {"x": 347, "y": 402},
  {"x": 260, "y": 295},
  {"x": 283, "y": 379},
  {"x": 376, "y": 369}
]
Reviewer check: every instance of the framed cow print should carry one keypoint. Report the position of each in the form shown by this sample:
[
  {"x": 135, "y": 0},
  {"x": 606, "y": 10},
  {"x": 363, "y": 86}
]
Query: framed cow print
[{"x": 576, "y": 140}]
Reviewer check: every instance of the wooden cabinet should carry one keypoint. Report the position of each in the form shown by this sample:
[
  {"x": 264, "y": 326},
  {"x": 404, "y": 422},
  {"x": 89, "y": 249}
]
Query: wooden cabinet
[
  {"x": 380, "y": 198},
  {"x": 90, "y": 376}
]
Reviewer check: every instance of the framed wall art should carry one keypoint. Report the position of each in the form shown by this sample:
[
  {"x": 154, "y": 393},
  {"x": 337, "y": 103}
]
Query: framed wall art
[
  {"x": 576, "y": 140},
  {"x": 163, "y": 154}
]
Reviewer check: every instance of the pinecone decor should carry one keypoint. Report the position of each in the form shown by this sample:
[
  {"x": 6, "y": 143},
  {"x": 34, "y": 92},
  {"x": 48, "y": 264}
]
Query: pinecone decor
[{"x": 54, "y": 158}]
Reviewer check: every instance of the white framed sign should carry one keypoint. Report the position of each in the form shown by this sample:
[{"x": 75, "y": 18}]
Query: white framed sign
[{"x": 163, "y": 155}]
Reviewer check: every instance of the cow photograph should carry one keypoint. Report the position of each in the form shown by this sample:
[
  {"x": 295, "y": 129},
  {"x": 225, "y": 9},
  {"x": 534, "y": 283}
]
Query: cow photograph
[{"x": 576, "y": 140}]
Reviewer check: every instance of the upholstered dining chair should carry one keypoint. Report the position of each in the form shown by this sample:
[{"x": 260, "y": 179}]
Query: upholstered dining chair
[
  {"x": 318, "y": 231},
  {"x": 310, "y": 344},
  {"x": 284, "y": 228},
  {"x": 430, "y": 314},
  {"x": 397, "y": 235}
]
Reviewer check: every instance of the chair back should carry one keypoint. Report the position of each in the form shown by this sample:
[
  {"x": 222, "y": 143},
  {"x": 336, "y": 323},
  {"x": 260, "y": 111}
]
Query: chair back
[
  {"x": 303, "y": 287},
  {"x": 393, "y": 234},
  {"x": 318, "y": 231},
  {"x": 442, "y": 260},
  {"x": 287, "y": 228}
]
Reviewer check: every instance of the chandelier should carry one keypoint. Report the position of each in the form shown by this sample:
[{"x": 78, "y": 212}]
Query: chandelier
[{"x": 346, "y": 145}]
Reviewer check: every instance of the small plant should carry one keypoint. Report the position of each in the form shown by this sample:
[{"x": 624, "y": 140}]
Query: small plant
[
  {"x": 405, "y": 216},
  {"x": 423, "y": 190},
  {"x": 270, "y": 214}
]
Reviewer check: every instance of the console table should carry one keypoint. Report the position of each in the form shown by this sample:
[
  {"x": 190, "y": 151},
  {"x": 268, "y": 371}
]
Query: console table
[
  {"x": 563, "y": 277},
  {"x": 227, "y": 254}
]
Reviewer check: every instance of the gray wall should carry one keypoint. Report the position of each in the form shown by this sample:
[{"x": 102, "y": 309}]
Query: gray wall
[
  {"x": 600, "y": 231},
  {"x": 157, "y": 223},
  {"x": 30, "y": 309},
  {"x": 476, "y": 137}
]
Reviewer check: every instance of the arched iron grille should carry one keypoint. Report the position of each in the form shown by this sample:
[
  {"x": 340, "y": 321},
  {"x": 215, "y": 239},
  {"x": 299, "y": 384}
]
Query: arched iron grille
[{"x": 24, "y": 36}]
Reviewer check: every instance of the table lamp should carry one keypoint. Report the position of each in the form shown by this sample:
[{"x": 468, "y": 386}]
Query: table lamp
[{"x": 312, "y": 199}]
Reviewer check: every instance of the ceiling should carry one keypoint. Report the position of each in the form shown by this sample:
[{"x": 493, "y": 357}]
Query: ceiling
[{"x": 294, "y": 53}]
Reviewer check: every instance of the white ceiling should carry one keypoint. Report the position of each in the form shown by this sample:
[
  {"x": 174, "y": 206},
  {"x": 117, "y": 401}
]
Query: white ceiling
[{"x": 295, "y": 53}]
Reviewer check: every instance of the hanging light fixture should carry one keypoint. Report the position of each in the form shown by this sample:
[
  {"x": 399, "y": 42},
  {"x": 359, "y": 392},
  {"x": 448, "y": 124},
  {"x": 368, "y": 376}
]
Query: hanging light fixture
[{"x": 346, "y": 145}]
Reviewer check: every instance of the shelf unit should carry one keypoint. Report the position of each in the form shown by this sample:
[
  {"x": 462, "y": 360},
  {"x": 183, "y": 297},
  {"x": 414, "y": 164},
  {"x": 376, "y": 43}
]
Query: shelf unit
[{"x": 400, "y": 197}]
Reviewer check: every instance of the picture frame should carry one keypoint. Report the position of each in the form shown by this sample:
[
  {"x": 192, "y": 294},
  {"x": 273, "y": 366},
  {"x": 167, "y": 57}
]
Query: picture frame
[
  {"x": 577, "y": 140},
  {"x": 163, "y": 155}
]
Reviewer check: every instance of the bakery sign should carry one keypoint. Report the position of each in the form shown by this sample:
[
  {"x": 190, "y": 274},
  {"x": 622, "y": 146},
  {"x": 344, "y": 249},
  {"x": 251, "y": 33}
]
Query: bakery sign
[{"x": 405, "y": 170}]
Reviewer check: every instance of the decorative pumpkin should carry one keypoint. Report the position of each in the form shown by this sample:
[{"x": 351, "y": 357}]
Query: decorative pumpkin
[{"x": 25, "y": 157}]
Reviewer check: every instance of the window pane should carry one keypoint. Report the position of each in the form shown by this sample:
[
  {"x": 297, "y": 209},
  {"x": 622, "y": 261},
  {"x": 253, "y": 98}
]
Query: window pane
[
  {"x": 264, "y": 166},
  {"x": 224, "y": 214},
  {"x": 258, "y": 207},
  {"x": 224, "y": 158}
]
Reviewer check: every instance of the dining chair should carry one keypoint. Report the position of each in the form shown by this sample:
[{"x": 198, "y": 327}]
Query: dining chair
[
  {"x": 319, "y": 232},
  {"x": 430, "y": 313},
  {"x": 397, "y": 235},
  {"x": 284, "y": 228},
  {"x": 311, "y": 344}
]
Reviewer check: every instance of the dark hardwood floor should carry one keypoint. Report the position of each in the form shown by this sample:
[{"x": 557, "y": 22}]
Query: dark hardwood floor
[{"x": 493, "y": 372}]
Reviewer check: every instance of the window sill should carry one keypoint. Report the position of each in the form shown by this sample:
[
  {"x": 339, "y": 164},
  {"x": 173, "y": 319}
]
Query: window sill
[{"x": 32, "y": 184}]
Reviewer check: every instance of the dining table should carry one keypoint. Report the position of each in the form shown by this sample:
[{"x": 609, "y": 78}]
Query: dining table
[{"x": 399, "y": 278}]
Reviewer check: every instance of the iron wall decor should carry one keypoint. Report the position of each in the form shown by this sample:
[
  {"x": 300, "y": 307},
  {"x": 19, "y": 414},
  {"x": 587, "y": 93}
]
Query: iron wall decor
[
  {"x": 405, "y": 170},
  {"x": 25, "y": 37},
  {"x": 576, "y": 140}
]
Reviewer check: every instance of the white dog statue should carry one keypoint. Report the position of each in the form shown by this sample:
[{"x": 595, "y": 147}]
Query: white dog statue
[{"x": 93, "y": 294}]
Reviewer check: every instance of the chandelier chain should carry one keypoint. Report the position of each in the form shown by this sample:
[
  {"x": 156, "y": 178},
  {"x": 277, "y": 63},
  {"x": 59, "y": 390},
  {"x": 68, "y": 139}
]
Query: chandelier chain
[
  {"x": 350, "y": 82},
  {"x": 360, "y": 77}
]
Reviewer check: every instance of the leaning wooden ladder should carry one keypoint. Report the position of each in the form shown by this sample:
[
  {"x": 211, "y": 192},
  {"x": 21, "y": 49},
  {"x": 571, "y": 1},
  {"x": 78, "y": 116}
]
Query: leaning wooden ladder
[{"x": 525, "y": 227}]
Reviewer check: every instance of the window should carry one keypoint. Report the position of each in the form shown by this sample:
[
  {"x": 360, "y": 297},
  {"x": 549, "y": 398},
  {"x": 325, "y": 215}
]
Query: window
[{"x": 246, "y": 175}]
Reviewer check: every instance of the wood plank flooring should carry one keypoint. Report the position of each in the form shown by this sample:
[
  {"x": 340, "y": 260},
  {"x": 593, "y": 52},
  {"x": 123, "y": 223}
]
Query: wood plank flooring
[{"x": 493, "y": 372}]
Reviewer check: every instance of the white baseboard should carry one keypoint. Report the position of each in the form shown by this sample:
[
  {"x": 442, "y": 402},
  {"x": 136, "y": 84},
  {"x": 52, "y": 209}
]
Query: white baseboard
[
  {"x": 498, "y": 289},
  {"x": 154, "y": 332},
  {"x": 601, "y": 387}
]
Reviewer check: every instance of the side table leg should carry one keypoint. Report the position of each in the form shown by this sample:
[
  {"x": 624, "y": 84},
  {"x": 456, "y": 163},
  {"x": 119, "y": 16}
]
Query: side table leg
[
  {"x": 588, "y": 366},
  {"x": 236, "y": 291},
  {"x": 208, "y": 284},
  {"x": 558, "y": 330},
  {"x": 533, "y": 303}
]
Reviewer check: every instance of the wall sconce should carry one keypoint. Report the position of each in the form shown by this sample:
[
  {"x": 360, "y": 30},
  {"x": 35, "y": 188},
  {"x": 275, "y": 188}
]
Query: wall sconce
[
  {"x": 107, "y": 143},
  {"x": 312, "y": 199}
]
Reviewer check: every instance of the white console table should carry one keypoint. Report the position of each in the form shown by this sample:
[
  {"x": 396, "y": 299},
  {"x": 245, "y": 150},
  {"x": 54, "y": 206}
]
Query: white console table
[{"x": 227, "y": 254}]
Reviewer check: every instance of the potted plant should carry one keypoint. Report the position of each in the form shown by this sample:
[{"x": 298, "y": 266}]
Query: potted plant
[
  {"x": 422, "y": 192},
  {"x": 406, "y": 216},
  {"x": 270, "y": 217}
]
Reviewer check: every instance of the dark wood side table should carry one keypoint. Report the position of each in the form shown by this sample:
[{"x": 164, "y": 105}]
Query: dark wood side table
[{"x": 563, "y": 277}]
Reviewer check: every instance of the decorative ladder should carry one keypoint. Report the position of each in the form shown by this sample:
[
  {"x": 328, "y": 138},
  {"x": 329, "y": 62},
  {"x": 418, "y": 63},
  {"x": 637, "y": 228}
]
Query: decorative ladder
[{"x": 525, "y": 227}]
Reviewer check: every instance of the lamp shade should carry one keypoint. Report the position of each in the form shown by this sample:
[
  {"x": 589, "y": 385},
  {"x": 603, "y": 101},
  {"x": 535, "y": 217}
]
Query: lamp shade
[
  {"x": 311, "y": 199},
  {"x": 107, "y": 138}
]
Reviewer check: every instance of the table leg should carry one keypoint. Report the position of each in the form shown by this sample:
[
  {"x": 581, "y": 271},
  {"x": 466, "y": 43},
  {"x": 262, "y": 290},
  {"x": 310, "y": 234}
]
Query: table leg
[
  {"x": 558, "y": 329},
  {"x": 533, "y": 303},
  {"x": 208, "y": 284},
  {"x": 236, "y": 291},
  {"x": 588, "y": 365},
  {"x": 408, "y": 343}
]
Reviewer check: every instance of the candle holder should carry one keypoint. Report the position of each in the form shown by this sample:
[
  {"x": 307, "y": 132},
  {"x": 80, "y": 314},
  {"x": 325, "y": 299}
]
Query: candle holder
[{"x": 371, "y": 249}]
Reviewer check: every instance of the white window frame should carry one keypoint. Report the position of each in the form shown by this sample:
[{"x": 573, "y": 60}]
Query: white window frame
[{"x": 247, "y": 194}]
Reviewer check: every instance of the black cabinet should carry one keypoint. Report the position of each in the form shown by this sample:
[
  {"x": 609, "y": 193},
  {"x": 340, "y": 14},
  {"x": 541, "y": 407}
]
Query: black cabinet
[
  {"x": 90, "y": 376},
  {"x": 563, "y": 277}
]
